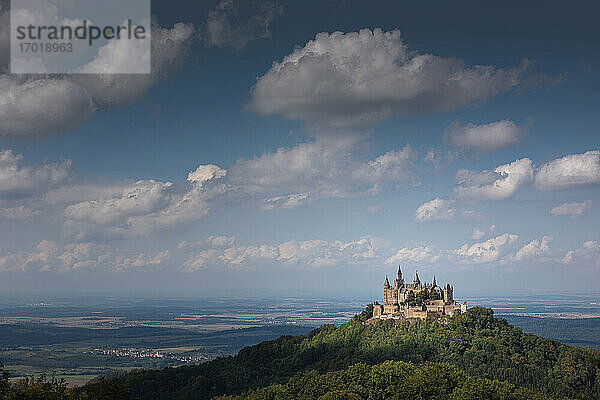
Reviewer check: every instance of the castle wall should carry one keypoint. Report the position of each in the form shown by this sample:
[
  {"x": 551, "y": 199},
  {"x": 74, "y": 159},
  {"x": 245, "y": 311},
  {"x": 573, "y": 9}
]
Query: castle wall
[
  {"x": 420, "y": 314},
  {"x": 377, "y": 310}
]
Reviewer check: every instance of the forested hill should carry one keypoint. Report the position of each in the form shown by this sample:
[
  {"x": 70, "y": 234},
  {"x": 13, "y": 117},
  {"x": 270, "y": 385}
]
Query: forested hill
[
  {"x": 475, "y": 342},
  {"x": 390, "y": 380}
]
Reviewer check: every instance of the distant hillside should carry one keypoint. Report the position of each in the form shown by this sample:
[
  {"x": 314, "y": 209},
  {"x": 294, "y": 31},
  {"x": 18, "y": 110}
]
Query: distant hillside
[
  {"x": 475, "y": 342},
  {"x": 584, "y": 332},
  {"x": 43, "y": 334}
]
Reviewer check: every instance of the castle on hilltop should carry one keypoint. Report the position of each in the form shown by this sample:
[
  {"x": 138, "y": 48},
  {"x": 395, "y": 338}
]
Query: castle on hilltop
[{"x": 416, "y": 300}]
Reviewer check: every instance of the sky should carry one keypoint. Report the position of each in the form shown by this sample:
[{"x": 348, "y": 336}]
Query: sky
[{"x": 309, "y": 148}]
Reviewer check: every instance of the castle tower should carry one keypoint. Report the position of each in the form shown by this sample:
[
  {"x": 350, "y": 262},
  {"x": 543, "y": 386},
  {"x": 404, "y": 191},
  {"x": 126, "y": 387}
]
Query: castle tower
[
  {"x": 387, "y": 298},
  {"x": 390, "y": 298},
  {"x": 399, "y": 282},
  {"x": 448, "y": 294},
  {"x": 434, "y": 284},
  {"x": 417, "y": 281}
]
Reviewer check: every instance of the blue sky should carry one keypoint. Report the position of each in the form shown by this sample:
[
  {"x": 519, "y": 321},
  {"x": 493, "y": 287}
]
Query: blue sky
[{"x": 268, "y": 153}]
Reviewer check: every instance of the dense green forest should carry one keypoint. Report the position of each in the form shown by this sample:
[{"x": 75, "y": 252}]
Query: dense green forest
[
  {"x": 475, "y": 342},
  {"x": 390, "y": 380},
  {"x": 51, "y": 388}
]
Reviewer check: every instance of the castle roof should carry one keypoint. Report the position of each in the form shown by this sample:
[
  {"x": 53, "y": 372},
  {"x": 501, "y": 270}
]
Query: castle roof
[{"x": 387, "y": 283}]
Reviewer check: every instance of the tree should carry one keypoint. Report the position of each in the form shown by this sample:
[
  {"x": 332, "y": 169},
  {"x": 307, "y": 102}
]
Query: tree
[{"x": 44, "y": 388}]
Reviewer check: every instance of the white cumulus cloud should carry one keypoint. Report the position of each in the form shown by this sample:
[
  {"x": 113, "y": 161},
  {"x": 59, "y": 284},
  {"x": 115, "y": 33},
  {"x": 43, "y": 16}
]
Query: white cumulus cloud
[
  {"x": 49, "y": 256},
  {"x": 205, "y": 173},
  {"x": 436, "y": 210},
  {"x": 588, "y": 255},
  {"x": 485, "y": 137},
  {"x": 420, "y": 254},
  {"x": 147, "y": 206},
  {"x": 33, "y": 106},
  {"x": 286, "y": 178},
  {"x": 574, "y": 210},
  {"x": 289, "y": 201},
  {"x": 535, "y": 248},
  {"x": 322, "y": 168},
  {"x": 501, "y": 183},
  {"x": 485, "y": 252},
  {"x": 17, "y": 181},
  {"x": 569, "y": 171},
  {"x": 313, "y": 253},
  {"x": 36, "y": 105},
  {"x": 362, "y": 77}
]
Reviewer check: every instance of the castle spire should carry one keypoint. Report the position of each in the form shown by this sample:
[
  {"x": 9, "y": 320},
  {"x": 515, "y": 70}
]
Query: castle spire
[
  {"x": 434, "y": 284},
  {"x": 387, "y": 283},
  {"x": 417, "y": 281},
  {"x": 399, "y": 282}
]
